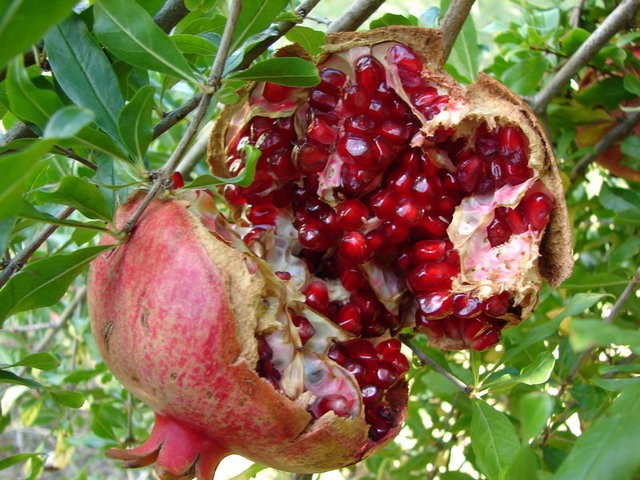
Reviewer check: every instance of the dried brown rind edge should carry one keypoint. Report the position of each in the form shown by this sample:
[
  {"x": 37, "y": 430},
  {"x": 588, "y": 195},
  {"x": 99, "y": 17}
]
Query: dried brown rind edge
[{"x": 489, "y": 95}]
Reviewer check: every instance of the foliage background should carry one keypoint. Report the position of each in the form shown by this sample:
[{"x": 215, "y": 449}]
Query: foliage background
[{"x": 560, "y": 399}]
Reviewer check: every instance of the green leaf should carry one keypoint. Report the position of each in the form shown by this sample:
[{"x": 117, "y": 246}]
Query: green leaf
[
  {"x": 39, "y": 361},
  {"x": 609, "y": 449},
  {"x": 15, "y": 168},
  {"x": 43, "y": 282},
  {"x": 17, "y": 458},
  {"x": 463, "y": 62},
  {"x": 534, "y": 410},
  {"x": 194, "y": 44},
  {"x": 24, "y": 22},
  {"x": 68, "y": 122},
  {"x": 310, "y": 39},
  {"x": 134, "y": 123},
  {"x": 573, "y": 40},
  {"x": 94, "y": 139},
  {"x": 536, "y": 373},
  {"x": 493, "y": 440},
  {"x": 587, "y": 333},
  {"x": 255, "y": 17},
  {"x": 28, "y": 211},
  {"x": 80, "y": 194},
  {"x": 128, "y": 31},
  {"x": 525, "y": 76},
  {"x": 26, "y": 101},
  {"x": 394, "y": 19},
  {"x": 67, "y": 398},
  {"x": 288, "y": 71},
  {"x": 12, "y": 378},
  {"x": 524, "y": 466},
  {"x": 84, "y": 72},
  {"x": 607, "y": 92}
]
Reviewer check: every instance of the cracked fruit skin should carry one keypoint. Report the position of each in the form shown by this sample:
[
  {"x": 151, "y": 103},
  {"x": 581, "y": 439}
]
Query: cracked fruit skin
[{"x": 175, "y": 312}]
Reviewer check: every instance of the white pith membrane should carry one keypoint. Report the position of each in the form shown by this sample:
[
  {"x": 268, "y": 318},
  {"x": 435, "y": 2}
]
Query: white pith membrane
[{"x": 305, "y": 373}]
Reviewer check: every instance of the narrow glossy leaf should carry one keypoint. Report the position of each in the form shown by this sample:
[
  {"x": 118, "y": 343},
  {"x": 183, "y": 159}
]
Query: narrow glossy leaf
[
  {"x": 68, "y": 122},
  {"x": 243, "y": 179},
  {"x": 5, "y": 232},
  {"x": 463, "y": 62},
  {"x": 525, "y": 76},
  {"x": 609, "y": 449},
  {"x": 255, "y": 17},
  {"x": 524, "y": 465},
  {"x": 134, "y": 123},
  {"x": 84, "y": 72},
  {"x": 94, "y": 139},
  {"x": 39, "y": 361},
  {"x": 17, "y": 458},
  {"x": 80, "y": 194},
  {"x": 67, "y": 398},
  {"x": 534, "y": 410},
  {"x": 15, "y": 168},
  {"x": 13, "y": 379},
  {"x": 128, "y": 31},
  {"x": 310, "y": 39},
  {"x": 24, "y": 22},
  {"x": 43, "y": 282},
  {"x": 493, "y": 440},
  {"x": 585, "y": 333},
  {"x": 28, "y": 102},
  {"x": 292, "y": 72},
  {"x": 536, "y": 373},
  {"x": 194, "y": 44},
  {"x": 29, "y": 211},
  {"x": 393, "y": 19}
]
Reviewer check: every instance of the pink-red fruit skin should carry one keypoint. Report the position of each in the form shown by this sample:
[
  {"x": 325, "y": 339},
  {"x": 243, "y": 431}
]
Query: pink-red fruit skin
[{"x": 173, "y": 312}]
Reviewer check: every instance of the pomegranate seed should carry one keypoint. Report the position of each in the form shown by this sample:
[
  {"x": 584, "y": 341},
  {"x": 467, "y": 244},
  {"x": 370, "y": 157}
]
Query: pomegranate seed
[
  {"x": 389, "y": 346},
  {"x": 411, "y": 81},
  {"x": 355, "y": 100},
  {"x": 384, "y": 375},
  {"x": 314, "y": 236},
  {"x": 320, "y": 131},
  {"x": 512, "y": 145},
  {"x": 357, "y": 150},
  {"x": 377, "y": 109},
  {"x": 428, "y": 250},
  {"x": 424, "y": 98},
  {"x": 515, "y": 174},
  {"x": 353, "y": 247},
  {"x": 405, "y": 58},
  {"x": 429, "y": 277},
  {"x": 273, "y": 92},
  {"x": 469, "y": 173},
  {"x": 358, "y": 370},
  {"x": 348, "y": 318},
  {"x": 407, "y": 211},
  {"x": 317, "y": 295},
  {"x": 386, "y": 152},
  {"x": 399, "y": 362},
  {"x": 337, "y": 354},
  {"x": 331, "y": 80},
  {"x": 323, "y": 101},
  {"x": 263, "y": 214},
  {"x": 373, "y": 327},
  {"x": 435, "y": 305},
  {"x": 382, "y": 204},
  {"x": 176, "y": 181},
  {"x": 498, "y": 232},
  {"x": 356, "y": 180},
  {"x": 376, "y": 240},
  {"x": 400, "y": 181},
  {"x": 446, "y": 206},
  {"x": 285, "y": 276},
  {"x": 352, "y": 278},
  {"x": 369, "y": 73},
  {"x": 351, "y": 214},
  {"x": 271, "y": 141},
  {"x": 282, "y": 166},
  {"x": 425, "y": 188},
  {"x": 496, "y": 306},
  {"x": 359, "y": 348},
  {"x": 396, "y": 132},
  {"x": 371, "y": 394},
  {"x": 394, "y": 232},
  {"x": 378, "y": 432},
  {"x": 432, "y": 226},
  {"x": 487, "y": 340},
  {"x": 486, "y": 142},
  {"x": 514, "y": 221},
  {"x": 305, "y": 329},
  {"x": 360, "y": 125},
  {"x": 332, "y": 402},
  {"x": 285, "y": 126},
  {"x": 498, "y": 172},
  {"x": 259, "y": 126},
  {"x": 311, "y": 158},
  {"x": 474, "y": 327},
  {"x": 536, "y": 210},
  {"x": 465, "y": 306}
]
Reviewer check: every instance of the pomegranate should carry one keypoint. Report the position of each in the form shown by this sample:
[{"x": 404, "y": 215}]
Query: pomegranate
[
  {"x": 385, "y": 197},
  {"x": 229, "y": 355},
  {"x": 396, "y": 197}
]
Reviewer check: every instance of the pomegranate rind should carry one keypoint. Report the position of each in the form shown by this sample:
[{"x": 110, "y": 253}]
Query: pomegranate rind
[{"x": 175, "y": 311}]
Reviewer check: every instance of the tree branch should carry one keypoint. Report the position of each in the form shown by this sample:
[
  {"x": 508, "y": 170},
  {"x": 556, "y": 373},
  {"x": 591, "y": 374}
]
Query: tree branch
[
  {"x": 453, "y": 22},
  {"x": 213, "y": 83},
  {"x": 616, "y": 20},
  {"x": 354, "y": 16},
  {"x": 576, "y": 14},
  {"x": 426, "y": 359},
  {"x": 170, "y": 14},
  {"x": 21, "y": 257},
  {"x": 621, "y": 130}
]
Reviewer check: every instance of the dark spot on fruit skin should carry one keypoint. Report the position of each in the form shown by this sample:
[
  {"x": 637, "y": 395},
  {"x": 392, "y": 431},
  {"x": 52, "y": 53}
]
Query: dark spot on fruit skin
[
  {"x": 106, "y": 333},
  {"x": 144, "y": 320},
  {"x": 173, "y": 375}
]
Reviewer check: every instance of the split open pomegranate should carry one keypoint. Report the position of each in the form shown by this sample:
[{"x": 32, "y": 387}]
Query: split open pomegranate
[{"x": 385, "y": 197}]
